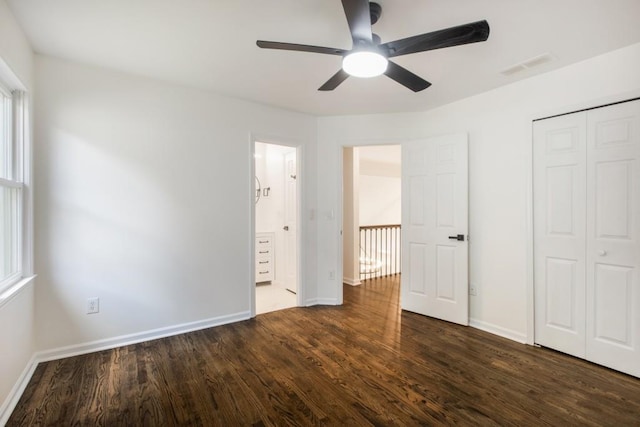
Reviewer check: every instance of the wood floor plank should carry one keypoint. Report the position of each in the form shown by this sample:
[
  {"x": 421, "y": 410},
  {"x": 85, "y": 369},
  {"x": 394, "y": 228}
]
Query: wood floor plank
[{"x": 363, "y": 363}]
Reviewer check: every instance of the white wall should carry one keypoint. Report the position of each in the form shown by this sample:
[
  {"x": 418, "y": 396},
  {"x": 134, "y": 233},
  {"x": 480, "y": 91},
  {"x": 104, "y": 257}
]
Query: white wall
[
  {"x": 351, "y": 216},
  {"x": 16, "y": 311},
  {"x": 499, "y": 128},
  {"x": 144, "y": 200},
  {"x": 380, "y": 200},
  {"x": 14, "y": 47},
  {"x": 380, "y": 185}
]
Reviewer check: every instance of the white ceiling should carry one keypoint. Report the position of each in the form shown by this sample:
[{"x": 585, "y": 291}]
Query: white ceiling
[{"x": 210, "y": 44}]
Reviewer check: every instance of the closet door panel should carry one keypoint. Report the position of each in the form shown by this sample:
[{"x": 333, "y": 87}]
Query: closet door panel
[
  {"x": 613, "y": 237},
  {"x": 559, "y": 232}
]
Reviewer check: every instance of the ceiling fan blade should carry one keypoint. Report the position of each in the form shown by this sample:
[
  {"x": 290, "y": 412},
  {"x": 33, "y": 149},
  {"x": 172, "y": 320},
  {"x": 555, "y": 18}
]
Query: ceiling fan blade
[
  {"x": 334, "y": 81},
  {"x": 359, "y": 19},
  {"x": 454, "y": 36},
  {"x": 406, "y": 77},
  {"x": 300, "y": 47}
]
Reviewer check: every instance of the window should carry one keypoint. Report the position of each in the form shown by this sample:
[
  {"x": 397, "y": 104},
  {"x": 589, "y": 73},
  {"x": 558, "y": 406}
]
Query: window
[{"x": 11, "y": 185}]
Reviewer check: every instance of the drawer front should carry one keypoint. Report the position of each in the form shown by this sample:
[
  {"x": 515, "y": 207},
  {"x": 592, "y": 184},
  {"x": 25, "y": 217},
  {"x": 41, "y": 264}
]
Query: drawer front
[
  {"x": 263, "y": 275},
  {"x": 264, "y": 270},
  {"x": 263, "y": 243},
  {"x": 263, "y": 264},
  {"x": 263, "y": 252}
]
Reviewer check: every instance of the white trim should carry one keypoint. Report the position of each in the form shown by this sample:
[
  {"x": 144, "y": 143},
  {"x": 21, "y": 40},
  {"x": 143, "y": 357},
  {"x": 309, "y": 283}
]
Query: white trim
[
  {"x": 11, "y": 184},
  {"x": 351, "y": 282},
  {"x": 123, "y": 340},
  {"x": 13, "y": 290},
  {"x": 27, "y": 190},
  {"x": 252, "y": 226},
  {"x": 528, "y": 280},
  {"x": 322, "y": 301},
  {"x": 498, "y": 330},
  {"x": 4, "y": 90},
  {"x": 9, "y": 77},
  {"x": 18, "y": 388}
]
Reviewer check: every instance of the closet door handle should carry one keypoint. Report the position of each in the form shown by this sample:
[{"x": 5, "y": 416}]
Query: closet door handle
[
  {"x": 459, "y": 237},
  {"x": 285, "y": 228}
]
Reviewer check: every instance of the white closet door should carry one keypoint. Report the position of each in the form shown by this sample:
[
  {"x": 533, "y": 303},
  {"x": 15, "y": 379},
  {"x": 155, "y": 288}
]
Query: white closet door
[
  {"x": 559, "y": 146},
  {"x": 613, "y": 237}
]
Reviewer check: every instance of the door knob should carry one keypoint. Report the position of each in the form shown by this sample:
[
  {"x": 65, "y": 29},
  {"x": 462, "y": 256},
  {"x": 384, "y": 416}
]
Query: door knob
[
  {"x": 285, "y": 228},
  {"x": 602, "y": 252}
]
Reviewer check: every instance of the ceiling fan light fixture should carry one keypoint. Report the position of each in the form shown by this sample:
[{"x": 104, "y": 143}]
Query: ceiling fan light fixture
[{"x": 364, "y": 64}]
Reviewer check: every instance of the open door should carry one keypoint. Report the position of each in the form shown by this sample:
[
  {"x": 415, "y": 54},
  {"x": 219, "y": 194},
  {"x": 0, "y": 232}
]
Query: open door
[
  {"x": 435, "y": 255},
  {"x": 291, "y": 222}
]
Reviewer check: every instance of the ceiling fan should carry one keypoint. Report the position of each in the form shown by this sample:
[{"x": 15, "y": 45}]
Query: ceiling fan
[{"x": 369, "y": 58}]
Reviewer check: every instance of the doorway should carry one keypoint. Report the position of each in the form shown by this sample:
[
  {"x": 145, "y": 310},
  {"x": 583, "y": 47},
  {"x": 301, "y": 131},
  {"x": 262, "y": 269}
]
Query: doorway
[
  {"x": 371, "y": 213},
  {"x": 276, "y": 227},
  {"x": 434, "y": 218}
]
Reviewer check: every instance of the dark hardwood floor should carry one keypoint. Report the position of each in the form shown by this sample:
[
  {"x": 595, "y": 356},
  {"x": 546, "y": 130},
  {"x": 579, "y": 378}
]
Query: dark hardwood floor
[{"x": 364, "y": 363}]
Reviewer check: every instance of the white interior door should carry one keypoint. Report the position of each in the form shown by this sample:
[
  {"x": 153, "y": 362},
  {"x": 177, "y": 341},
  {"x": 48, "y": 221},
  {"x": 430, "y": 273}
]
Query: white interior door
[
  {"x": 290, "y": 222},
  {"x": 434, "y": 213},
  {"x": 559, "y": 146},
  {"x": 613, "y": 237}
]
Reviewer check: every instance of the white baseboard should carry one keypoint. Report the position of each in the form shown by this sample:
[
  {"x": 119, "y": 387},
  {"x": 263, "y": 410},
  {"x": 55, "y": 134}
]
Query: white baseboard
[
  {"x": 320, "y": 301},
  {"x": 351, "y": 282},
  {"x": 498, "y": 330},
  {"x": 12, "y": 399},
  {"x": 109, "y": 343},
  {"x": 327, "y": 301}
]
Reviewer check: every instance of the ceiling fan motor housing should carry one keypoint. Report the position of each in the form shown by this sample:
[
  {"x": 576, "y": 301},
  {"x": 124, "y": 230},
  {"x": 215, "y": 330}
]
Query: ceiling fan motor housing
[{"x": 375, "y": 11}]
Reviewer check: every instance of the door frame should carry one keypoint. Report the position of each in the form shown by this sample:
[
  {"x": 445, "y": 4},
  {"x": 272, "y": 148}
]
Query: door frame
[
  {"x": 300, "y": 203},
  {"x": 528, "y": 164}
]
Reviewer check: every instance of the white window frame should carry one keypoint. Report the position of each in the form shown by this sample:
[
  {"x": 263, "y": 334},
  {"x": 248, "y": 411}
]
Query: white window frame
[{"x": 18, "y": 167}]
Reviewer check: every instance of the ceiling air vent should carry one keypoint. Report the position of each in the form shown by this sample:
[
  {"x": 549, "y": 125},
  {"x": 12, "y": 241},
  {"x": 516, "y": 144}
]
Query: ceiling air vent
[{"x": 526, "y": 64}]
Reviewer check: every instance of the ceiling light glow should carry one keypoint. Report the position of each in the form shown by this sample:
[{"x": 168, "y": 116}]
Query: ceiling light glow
[{"x": 364, "y": 64}]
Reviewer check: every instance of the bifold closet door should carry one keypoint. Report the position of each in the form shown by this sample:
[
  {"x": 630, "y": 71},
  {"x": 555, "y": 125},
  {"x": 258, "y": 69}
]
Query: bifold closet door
[
  {"x": 559, "y": 232},
  {"x": 613, "y": 237},
  {"x": 587, "y": 235}
]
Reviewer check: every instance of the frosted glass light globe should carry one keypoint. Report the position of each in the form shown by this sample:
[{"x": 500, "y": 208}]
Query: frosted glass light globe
[{"x": 364, "y": 64}]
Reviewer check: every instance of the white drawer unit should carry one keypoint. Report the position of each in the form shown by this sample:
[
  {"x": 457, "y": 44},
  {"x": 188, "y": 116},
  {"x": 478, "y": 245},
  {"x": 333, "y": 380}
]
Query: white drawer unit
[{"x": 265, "y": 265}]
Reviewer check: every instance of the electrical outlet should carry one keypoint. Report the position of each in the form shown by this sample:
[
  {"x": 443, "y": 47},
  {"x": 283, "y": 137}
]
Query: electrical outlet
[
  {"x": 473, "y": 289},
  {"x": 332, "y": 275},
  {"x": 93, "y": 305}
]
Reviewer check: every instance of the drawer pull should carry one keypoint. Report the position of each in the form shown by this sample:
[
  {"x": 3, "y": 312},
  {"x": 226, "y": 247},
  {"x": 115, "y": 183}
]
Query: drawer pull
[
  {"x": 263, "y": 252},
  {"x": 263, "y": 262},
  {"x": 263, "y": 272},
  {"x": 263, "y": 241}
]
